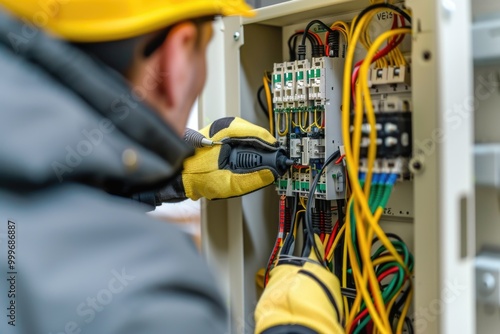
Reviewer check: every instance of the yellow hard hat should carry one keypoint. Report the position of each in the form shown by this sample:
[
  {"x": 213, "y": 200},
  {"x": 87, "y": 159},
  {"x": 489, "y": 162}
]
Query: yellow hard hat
[{"x": 108, "y": 20}]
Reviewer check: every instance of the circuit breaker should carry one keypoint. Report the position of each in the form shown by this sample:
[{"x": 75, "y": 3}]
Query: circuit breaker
[{"x": 306, "y": 107}]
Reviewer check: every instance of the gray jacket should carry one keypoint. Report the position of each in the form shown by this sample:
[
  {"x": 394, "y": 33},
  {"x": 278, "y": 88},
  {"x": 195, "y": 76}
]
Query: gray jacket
[{"x": 73, "y": 257}]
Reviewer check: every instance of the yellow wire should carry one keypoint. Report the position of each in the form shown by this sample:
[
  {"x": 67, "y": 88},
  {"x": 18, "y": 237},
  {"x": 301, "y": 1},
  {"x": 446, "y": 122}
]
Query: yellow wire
[
  {"x": 327, "y": 237},
  {"x": 302, "y": 202},
  {"x": 405, "y": 310},
  {"x": 380, "y": 322},
  {"x": 316, "y": 120},
  {"x": 342, "y": 24},
  {"x": 344, "y": 270},
  {"x": 353, "y": 167},
  {"x": 336, "y": 241},
  {"x": 301, "y": 125},
  {"x": 361, "y": 86},
  {"x": 265, "y": 81},
  {"x": 285, "y": 131},
  {"x": 296, "y": 222},
  {"x": 352, "y": 170}
]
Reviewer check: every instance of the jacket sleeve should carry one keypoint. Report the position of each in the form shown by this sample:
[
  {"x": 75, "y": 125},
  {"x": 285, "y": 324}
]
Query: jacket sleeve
[{"x": 90, "y": 263}]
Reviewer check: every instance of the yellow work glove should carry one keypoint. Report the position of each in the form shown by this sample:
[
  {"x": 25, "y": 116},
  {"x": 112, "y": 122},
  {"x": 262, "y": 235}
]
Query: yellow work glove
[
  {"x": 207, "y": 173},
  {"x": 300, "y": 298}
]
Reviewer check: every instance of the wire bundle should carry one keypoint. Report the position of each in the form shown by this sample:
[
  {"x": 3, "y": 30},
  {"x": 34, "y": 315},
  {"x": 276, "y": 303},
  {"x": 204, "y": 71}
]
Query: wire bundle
[
  {"x": 318, "y": 49},
  {"x": 374, "y": 303}
]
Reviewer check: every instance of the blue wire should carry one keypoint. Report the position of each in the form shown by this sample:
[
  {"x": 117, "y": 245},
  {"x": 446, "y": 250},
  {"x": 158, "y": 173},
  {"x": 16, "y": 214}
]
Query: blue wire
[
  {"x": 383, "y": 178},
  {"x": 392, "y": 179},
  {"x": 362, "y": 176}
]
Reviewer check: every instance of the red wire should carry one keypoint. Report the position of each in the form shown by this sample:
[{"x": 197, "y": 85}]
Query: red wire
[
  {"x": 332, "y": 238},
  {"x": 300, "y": 166},
  {"x": 315, "y": 35},
  {"x": 278, "y": 240},
  {"x": 386, "y": 273}
]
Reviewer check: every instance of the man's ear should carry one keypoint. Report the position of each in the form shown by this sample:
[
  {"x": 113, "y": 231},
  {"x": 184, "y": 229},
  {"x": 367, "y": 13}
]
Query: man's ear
[{"x": 176, "y": 63}]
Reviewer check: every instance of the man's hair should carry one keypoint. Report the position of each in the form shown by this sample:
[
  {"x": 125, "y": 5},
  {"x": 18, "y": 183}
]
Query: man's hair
[{"x": 119, "y": 55}]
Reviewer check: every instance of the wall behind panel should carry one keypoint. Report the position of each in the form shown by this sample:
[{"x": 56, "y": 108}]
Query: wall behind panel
[
  {"x": 263, "y": 3},
  {"x": 261, "y": 48}
]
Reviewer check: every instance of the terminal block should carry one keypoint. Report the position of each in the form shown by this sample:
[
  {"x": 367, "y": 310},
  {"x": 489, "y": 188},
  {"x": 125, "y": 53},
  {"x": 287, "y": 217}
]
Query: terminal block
[
  {"x": 394, "y": 133},
  {"x": 289, "y": 76},
  {"x": 316, "y": 80},
  {"x": 390, "y": 75},
  {"x": 296, "y": 149},
  {"x": 277, "y": 82},
  {"x": 301, "y": 84}
]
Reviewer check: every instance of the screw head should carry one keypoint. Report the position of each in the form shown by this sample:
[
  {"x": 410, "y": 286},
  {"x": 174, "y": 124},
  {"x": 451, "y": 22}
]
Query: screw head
[
  {"x": 487, "y": 283},
  {"x": 416, "y": 165},
  {"x": 236, "y": 35}
]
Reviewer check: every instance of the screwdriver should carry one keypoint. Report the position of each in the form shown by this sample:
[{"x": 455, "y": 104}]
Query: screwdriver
[
  {"x": 245, "y": 158},
  {"x": 198, "y": 140}
]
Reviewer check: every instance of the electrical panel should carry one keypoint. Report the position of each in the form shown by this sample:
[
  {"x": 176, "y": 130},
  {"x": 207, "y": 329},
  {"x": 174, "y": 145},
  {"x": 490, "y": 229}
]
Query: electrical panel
[
  {"x": 308, "y": 115},
  {"x": 306, "y": 103},
  {"x": 415, "y": 178}
]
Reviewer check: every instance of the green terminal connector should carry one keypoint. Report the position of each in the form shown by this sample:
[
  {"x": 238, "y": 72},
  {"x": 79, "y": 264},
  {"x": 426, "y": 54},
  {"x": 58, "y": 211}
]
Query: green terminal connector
[
  {"x": 276, "y": 78},
  {"x": 305, "y": 186},
  {"x": 310, "y": 74},
  {"x": 321, "y": 188}
]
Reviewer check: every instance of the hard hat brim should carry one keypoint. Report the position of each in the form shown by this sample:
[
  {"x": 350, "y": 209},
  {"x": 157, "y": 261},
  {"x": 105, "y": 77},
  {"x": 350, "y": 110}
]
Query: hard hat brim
[{"x": 94, "y": 28}]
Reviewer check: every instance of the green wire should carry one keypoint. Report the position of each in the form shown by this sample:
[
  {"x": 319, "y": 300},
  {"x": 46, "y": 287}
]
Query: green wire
[
  {"x": 353, "y": 233},
  {"x": 396, "y": 283},
  {"x": 372, "y": 202},
  {"x": 379, "y": 196}
]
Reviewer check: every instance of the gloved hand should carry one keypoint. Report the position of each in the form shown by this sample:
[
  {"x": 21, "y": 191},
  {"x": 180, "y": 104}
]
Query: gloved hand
[
  {"x": 300, "y": 299},
  {"x": 207, "y": 174}
]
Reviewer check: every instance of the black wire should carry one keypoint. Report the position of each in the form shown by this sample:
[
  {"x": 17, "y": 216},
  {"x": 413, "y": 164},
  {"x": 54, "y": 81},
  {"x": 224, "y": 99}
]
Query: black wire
[
  {"x": 261, "y": 104},
  {"x": 408, "y": 322},
  {"x": 381, "y": 5},
  {"x": 291, "y": 48},
  {"x": 349, "y": 292},
  {"x": 399, "y": 303},
  {"x": 309, "y": 25},
  {"x": 308, "y": 221},
  {"x": 409, "y": 325}
]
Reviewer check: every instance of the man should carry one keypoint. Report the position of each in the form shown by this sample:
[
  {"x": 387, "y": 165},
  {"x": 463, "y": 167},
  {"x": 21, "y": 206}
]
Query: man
[{"x": 94, "y": 99}]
